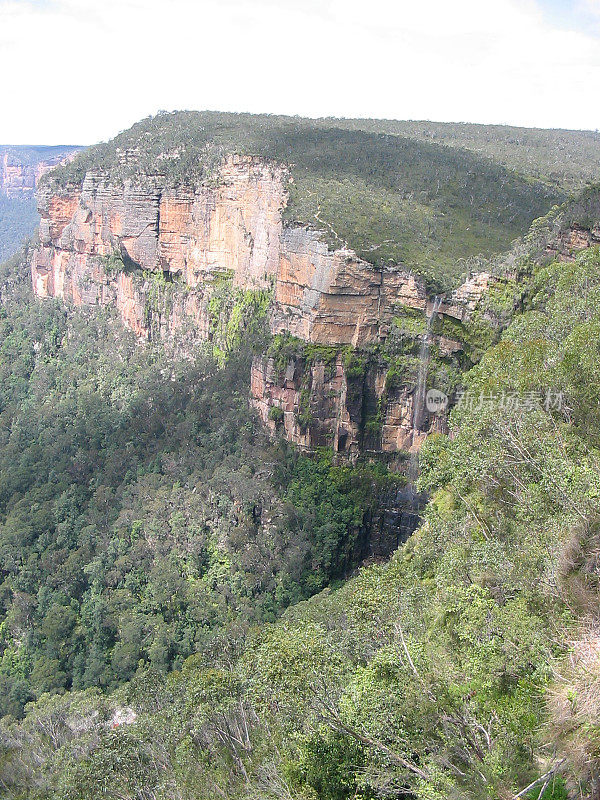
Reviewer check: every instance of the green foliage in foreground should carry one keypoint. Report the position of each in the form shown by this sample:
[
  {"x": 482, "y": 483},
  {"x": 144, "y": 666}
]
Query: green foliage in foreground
[
  {"x": 444, "y": 674},
  {"x": 143, "y": 515},
  {"x": 392, "y": 199}
]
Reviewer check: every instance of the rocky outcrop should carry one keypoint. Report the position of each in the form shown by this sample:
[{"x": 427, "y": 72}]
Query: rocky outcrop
[
  {"x": 467, "y": 297},
  {"x": 326, "y": 297},
  {"x": 21, "y": 169},
  {"x": 336, "y": 404},
  {"x": 232, "y": 228},
  {"x": 572, "y": 240}
]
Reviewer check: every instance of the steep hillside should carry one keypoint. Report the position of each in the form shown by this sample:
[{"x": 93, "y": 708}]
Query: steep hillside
[
  {"x": 466, "y": 667},
  {"x": 570, "y": 159},
  {"x": 171, "y": 258},
  {"x": 144, "y": 515},
  {"x": 166, "y": 223}
]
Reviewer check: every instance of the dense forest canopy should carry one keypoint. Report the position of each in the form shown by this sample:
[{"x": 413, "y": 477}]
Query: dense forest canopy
[
  {"x": 566, "y": 158},
  {"x": 150, "y": 534},
  {"x": 143, "y": 513},
  {"x": 18, "y": 221},
  {"x": 190, "y": 610}
]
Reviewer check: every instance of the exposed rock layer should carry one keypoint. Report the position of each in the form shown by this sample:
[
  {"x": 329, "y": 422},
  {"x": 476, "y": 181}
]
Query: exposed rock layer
[
  {"x": 108, "y": 244},
  {"x": 315, "y": 405},
  {"x": 335, "y": 297},
  {"x": 233, "y": 228},
  {"x": 572, "y": 240}
]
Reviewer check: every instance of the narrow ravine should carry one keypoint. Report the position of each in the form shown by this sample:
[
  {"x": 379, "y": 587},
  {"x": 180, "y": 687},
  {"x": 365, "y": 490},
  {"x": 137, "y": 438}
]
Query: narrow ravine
[{"x": 421, "y": 389}]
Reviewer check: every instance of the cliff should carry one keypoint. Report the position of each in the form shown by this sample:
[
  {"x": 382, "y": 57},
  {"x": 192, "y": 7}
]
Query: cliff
[
  {"x": 334, "y": 297},
  {"x": 107, "y": 244},
  {"x": 94, "y": 238},
  {"x": 348, "y": 335},
  {"x": 572, "y": 240},
  {"x": 159, "y": 253}
]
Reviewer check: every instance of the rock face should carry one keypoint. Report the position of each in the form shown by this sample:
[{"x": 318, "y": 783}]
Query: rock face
[
  {"x": 231, "y": 229},
  {"x": 102, "y": 244},
  {"x": 21, "y": 168},
  {"x": 572, "y": 240},
  {"x": 354, "y": 411},
  {"x": 463, "y": 301},
  {"x": 107, "y": 244},
  {"x": 334, "y": 297}
]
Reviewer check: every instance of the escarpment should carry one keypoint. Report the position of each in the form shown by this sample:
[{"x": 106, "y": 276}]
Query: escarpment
[
  {"x": 107, "y": 244},
  {"x": 158, "y": 254}
]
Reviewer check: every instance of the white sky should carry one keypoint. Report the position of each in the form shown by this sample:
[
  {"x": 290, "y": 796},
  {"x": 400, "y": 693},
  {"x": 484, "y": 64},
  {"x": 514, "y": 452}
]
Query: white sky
[{"x": 78, "y": 71}]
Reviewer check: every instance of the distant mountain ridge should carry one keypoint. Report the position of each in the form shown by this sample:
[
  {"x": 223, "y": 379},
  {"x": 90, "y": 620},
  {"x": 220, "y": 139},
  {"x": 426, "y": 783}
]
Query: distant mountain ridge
[
  {"x": 22, "y": 166},
  {"x": 21, "y": 169}
]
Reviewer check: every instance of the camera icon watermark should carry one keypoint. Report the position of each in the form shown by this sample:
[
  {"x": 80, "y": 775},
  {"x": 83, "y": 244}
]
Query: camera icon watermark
[{"x": 436, "y": 401}]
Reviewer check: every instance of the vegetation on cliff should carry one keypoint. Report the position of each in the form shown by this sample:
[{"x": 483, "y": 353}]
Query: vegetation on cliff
[{"x": 143, "y": 515}]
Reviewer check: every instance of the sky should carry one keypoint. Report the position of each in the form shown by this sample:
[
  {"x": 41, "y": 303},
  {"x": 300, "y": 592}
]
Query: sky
[{"x": 80, "y": 71}]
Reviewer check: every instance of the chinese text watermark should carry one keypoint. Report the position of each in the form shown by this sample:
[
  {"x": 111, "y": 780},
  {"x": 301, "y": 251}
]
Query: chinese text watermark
[{"x": 548, "y": 399}]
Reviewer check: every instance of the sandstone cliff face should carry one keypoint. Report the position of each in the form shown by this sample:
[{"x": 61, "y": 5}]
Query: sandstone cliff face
[
  {"x": 100, "y": 244},
  {"x": 104, "y": 244},
  {"x": 466, "y": 298},
  {"x": 233, "y": 228},
  {"x": 573, "y": 240},
  {"x": 318, "y": 404},
  {"x": 334, "y": 297}
]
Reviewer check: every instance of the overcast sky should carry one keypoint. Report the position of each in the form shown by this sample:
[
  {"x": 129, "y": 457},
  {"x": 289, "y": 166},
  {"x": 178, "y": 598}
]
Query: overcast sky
[{"x": 79, "y": 71}]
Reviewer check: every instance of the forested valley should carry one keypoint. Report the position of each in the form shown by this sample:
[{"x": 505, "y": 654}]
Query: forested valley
[{"x": 190, "y": 608}]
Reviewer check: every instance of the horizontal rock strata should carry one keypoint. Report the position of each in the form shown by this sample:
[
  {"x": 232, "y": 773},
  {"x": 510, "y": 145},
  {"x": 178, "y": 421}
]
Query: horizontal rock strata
[{"x": 108, "y": 244}]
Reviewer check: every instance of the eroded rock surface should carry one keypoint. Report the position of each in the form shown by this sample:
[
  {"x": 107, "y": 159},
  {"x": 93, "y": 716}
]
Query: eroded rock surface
[
  {"x": 319, "y": 404},
  {"x": 572, "y": 240},
  {"x": 232, "y": 228},
  {"x": 108, "y": 244}
]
